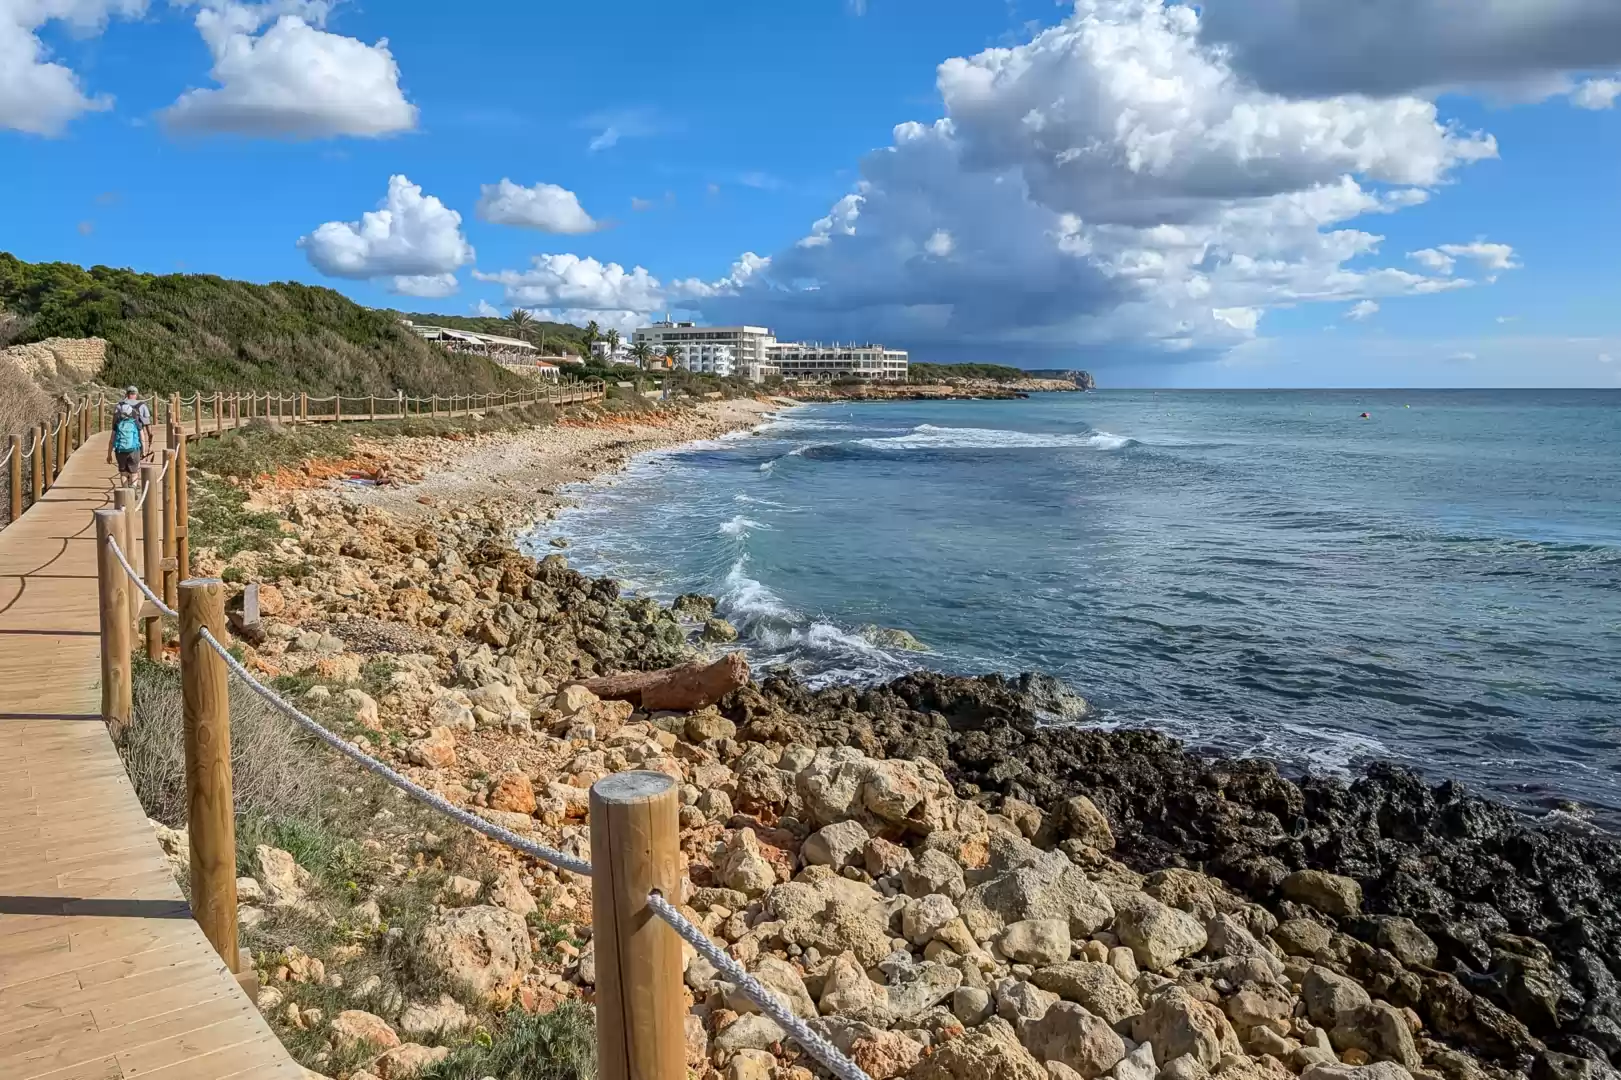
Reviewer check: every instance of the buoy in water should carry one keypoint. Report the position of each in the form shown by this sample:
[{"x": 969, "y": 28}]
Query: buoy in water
[{"x": 1367, "y": 416}]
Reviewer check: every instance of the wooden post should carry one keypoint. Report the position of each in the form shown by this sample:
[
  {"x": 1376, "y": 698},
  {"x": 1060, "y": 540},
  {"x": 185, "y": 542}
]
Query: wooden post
[
  {"x": 47, "y": 451},
  {"x": 176, "y": 414},
  {"x": 15, "y": 486},
  {"x": 337, "y": 407},
  {"x": 114, "y": 589},
  {"x": 197, "y": 415},
  {"x": 371, "y": 406},
  {"x": 182, "y": 513},
  {"x": 210, "y": 816},
  {"x": 152, "y": 554},
  {"x": 124, "y": 499},
  {"x": 303, "y": 405},
  {"x": 36, "y": 463},
  {"x": 219, "y": 411},
  {"x": 635, "y": 848},
  {"x": 171, "y": 520},
  {"x": 433, "y": 407}
]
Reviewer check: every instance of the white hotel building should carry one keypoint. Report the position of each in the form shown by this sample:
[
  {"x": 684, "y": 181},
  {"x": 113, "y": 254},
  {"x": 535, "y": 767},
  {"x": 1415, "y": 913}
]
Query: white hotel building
[{"x": 755, "y": 352}]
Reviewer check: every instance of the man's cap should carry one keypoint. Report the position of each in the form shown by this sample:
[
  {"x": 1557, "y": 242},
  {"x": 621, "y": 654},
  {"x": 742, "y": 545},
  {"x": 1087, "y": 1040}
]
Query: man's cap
[{"x": 132, "y": 390}]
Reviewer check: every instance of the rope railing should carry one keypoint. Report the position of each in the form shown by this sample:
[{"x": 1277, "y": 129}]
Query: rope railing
[
  {"x": 755, "y": 991},
  {"x": 748, "y": 985},
  {"x": 123, "y": 560}
]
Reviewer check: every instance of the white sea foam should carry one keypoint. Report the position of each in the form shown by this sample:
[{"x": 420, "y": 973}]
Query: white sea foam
[
  {"x": 930, "y": 437},
  {"x": 741, "y": 526}
]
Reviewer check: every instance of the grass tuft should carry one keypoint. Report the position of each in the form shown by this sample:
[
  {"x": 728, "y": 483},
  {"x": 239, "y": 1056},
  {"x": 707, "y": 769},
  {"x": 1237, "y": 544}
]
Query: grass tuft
[
  {"x": 276, "y": 771},
  {"x": 559, "y": 1045}
]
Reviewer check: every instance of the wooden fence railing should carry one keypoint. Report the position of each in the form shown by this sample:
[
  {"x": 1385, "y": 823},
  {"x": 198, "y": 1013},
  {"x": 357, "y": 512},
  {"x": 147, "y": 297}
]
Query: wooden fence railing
[{"x": 31, "y": 461}]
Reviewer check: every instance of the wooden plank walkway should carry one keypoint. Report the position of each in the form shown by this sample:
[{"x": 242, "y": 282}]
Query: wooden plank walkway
[{"x": 104, "y": 975}]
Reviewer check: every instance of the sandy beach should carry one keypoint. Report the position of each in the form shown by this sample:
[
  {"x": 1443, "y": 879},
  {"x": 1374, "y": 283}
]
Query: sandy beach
[{"x": 521, "y": 472}]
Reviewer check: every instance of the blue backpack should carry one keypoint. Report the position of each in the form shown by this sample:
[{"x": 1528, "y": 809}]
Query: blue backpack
[{"x": 126, "y": 429}]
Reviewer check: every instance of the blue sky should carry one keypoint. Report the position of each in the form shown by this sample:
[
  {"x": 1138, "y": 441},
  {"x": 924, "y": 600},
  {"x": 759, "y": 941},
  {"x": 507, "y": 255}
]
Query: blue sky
[{"x": 1219, "y": 197}]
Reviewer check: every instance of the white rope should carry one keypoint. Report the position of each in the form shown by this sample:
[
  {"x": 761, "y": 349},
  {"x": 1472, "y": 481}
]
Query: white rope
[
  {"x": 157, "y": 600},
  {"x": 4, "y": 460},
  {"x": 416, "y": 791},
  {"x": 768, "y": 1003}
]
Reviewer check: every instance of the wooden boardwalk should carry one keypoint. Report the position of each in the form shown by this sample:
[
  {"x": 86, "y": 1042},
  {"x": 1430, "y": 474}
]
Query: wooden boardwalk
[{"x": 104, "y": 975}]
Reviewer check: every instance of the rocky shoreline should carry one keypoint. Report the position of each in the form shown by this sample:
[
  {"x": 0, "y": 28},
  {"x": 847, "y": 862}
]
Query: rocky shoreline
[
  {"x": 957, "y": 390},
  {"x": 949, "y": 884}
]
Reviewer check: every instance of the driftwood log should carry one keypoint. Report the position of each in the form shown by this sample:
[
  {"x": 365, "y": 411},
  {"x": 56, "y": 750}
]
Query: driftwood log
[{"x": 681, "y": 689}]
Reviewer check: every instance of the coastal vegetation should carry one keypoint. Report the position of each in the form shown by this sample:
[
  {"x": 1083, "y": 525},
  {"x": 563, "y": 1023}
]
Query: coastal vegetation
[
  {"x": 182, "y": 332},
  {"x": 928, "y": 373}
]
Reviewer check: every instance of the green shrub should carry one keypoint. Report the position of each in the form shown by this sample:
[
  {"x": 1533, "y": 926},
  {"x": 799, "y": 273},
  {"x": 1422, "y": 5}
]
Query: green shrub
[
  {"x": 183, "y": 332},
  {"x": 559, "y": 1045}
]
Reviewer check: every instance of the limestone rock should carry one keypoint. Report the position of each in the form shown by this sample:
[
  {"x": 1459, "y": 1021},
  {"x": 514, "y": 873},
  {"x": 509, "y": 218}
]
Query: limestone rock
[
  {"x": 1054, "y": 889},
  {"x": 365, "y": 709},
  {"x": 915, "y": 988},
  {"x": 744, "y": 867},
  {"x": 923, "y": 918},
  {"x": 1178, "y": 1024},
  {"x": 513, "y": 793},
  {"x": 782, "y": 979},
  {"x": 971, "y": 1004},
  {"x": 1017, "y": 1000},
  {"x": 838, "y": 845},
  {"x": 1137, "y": 1065},
  {"x": 1405, "y": 940},
  {"x": 1070, "y": 1034},
  {"x": 883, "y": 858},
  {"x": 1304, "y": 937},
  {"x": 284, "y": 880},
  {"x": 1329, "y": 995},
  {"x": 482, "y": 950},
  {"x": 933, "y": 872},
  {"x": 407, "y": 1060},
  {"x": 1083, "y": 821},
  {"x": 356, "y": 1028},
  {"x": 1381, "y": 1070},
  {"x": 708, "y": 724},
  {"x": 1377, "y": 1029},
  {"x": 510, "y": 892},
  {"x": 1096, "y": 987},
  {"x": 847, "y": 991},
  {"x": 437, "y": 751},
  {"x": 751, "y": 1031},
  {"x": 1157, "y": 935},
  {"x": 573, "y": 699},
  {"x": 1331, "y": 894},
  {"x": 422, "y": 1021},
  {"x": 981, "y": 1055},
  {"x": 1041, "y": 942}
]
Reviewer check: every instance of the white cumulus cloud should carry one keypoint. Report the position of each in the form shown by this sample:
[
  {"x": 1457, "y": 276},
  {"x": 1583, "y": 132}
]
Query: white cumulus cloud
[
  {"x": 1596, "y": 94},
  {"x": 424, "y": 285},
  {"x": 292, "y": 80},
  {"x": 412, "y": 238},
  {"x": 546, "y": 207},
  {"x": 1363, "y": 310},
  {"x": 1113, "y": 180},
  {"x": 570, "y": 281},
  {"x": 1444, "y": 259},
  {"x": 39, "y": 95}
]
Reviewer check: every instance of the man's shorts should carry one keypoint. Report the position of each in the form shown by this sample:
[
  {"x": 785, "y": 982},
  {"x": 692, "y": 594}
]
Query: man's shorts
[{"x": 129, "y": 462}]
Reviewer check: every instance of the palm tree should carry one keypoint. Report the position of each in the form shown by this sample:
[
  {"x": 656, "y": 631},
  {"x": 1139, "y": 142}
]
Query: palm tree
[
  {"x": 612, "y": 338},
  {"x": 592, "y": 333},
  {"x": 520, "y": 320},
  {"x": 643, "y": 352}
]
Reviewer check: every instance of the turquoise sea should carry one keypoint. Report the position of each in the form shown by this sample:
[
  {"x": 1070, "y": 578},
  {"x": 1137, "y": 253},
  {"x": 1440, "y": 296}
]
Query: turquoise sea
[{"x": 1255, "y": 572}]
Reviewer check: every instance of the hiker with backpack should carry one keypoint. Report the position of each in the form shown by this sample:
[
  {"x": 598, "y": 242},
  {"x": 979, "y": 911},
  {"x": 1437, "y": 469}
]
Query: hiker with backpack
[{"x": 131, "y": 435}]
